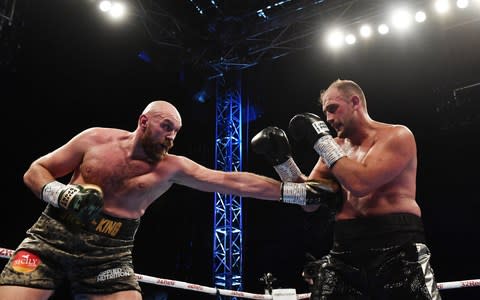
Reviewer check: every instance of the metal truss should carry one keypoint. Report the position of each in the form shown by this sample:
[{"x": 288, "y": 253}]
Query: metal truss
[
  {"x": 291, "y": 28},
  {"x": 460, "y": 110},
  {"x": 218, "y": 42},
  {"x": 162, "y": 27},
  {"x": 7, "y": 11},
  {"x": 228, "y": 229}
]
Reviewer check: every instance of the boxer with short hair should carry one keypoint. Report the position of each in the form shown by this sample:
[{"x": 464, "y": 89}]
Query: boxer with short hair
[
  {"x": 379, "y": 249},
  {"x": 86, "y": 233}
]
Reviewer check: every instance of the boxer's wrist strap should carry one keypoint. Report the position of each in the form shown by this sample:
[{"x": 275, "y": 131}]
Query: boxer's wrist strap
[
  {"x": 293, "y": 193},
  {"x": 51, "y": 192},
  {"x": 288, "y": 170},
  {"x": 328, "y": 150}
]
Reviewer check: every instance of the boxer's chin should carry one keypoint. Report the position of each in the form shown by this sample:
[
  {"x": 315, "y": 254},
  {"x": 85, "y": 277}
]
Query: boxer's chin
[{"x": 165, "y": 147}]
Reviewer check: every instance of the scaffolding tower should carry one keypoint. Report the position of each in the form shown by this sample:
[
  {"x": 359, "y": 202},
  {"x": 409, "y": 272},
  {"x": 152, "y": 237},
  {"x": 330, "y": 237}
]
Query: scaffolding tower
[{"x": 227, "y": 241}]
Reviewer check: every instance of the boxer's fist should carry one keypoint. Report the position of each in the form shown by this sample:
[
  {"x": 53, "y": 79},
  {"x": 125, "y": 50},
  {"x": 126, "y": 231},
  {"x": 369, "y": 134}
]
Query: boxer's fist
[
  {"x": 84, "y": 201},
  {"x": 310, "y": 193},
  {"x": 272, "y": 142},
  {"x": 307, "y": 126},
  {"x": 310, "y": 127}
]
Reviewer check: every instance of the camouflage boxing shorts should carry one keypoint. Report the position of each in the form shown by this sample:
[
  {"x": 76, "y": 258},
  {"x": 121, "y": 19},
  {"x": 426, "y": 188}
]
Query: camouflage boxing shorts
[
  {"x": 382, "y": 257},
  {"x": 94, "y": 259}
]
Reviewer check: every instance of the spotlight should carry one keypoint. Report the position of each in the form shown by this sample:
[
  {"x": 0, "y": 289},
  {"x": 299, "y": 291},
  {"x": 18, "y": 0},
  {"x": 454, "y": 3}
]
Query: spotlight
[
  {"x": 442, "y": 6},
  {"x": 462, "y": 4},
  {"x": 383, "y": 29},
  {"x": 335, "y": 39},
  {"x": 116, "y": 10},
  {"x": 420, "y": 16},
  {"x": 365, "y": 31},
  {"x": 350, "y": 39},
  {"x": 401, "y": 19},
  {"x": 105, "y": 5}
]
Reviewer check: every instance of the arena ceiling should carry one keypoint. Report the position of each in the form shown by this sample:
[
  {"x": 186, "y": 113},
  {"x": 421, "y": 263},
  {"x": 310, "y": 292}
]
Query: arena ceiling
[
  {"x": 213, "y": 36},
  {"x": 236, "y": 34}
]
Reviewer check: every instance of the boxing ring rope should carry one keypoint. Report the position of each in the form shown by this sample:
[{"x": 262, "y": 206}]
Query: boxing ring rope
[{"x": 7, "y": 253}]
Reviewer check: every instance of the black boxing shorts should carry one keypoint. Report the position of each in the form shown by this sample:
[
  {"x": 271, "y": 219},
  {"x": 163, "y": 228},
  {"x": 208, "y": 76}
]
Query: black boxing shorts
[
  {"x": 94, "y": 258},
  {"x": 381, "y": 257}
]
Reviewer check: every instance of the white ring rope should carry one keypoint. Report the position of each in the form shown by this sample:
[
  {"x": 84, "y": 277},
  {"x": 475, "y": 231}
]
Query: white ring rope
[{"x": 7, "y": 253}]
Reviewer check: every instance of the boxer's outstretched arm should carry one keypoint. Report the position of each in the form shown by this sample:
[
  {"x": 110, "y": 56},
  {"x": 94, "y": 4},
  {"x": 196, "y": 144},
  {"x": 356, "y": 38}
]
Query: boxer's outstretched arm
[
  {"x": 189, "y": 173},
  {"x": 245, "y": 184}
]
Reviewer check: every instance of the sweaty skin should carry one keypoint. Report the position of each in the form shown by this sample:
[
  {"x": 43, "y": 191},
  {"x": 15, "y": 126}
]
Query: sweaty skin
[
  {"x": 378, "y": 175},
  {"x": 133, "y": 169}
]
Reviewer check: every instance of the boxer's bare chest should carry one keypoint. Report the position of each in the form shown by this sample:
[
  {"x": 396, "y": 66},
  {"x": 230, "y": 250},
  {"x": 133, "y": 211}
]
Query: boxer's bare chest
[
  {"x": 112, "y": 166},
  {"x": 358, "y": 152}
]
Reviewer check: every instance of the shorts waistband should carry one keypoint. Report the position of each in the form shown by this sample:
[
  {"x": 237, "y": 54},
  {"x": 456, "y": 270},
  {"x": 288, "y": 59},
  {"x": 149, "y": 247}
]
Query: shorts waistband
[
  {"x": 103, "y": 224},
  {"x": 388, "y": 229}
]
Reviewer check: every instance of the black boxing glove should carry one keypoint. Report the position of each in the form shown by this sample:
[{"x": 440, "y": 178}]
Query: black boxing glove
[
  {"x": 84, "y": 201},
  {"x": 272, "y": 143},
  {"x": 310, "y": 192},
  {"x": 310, "y": 127}
]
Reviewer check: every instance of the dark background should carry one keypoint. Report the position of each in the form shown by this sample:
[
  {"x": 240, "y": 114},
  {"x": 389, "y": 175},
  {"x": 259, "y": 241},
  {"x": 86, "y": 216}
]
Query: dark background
[{"x": 65, "y": 68}]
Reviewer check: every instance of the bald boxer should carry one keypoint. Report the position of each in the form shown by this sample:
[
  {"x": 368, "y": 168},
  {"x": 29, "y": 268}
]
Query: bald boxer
[
  {"x": 379, "y": 249},
  {"x": 86, "y": 233}
]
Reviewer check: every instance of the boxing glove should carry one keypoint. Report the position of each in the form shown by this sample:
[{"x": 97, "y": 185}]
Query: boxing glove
[
  {"x": 310, "y": 127},
  {"x": 272, "y": 143},
  {"x": 308, "y": 193},
  {"x": 84, "y": 201}
]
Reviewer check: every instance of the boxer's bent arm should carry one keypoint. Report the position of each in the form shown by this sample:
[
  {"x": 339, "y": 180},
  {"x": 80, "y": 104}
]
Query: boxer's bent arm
[
  {"x": 384, "y": 161},
  {"x": 321, "y": 173},
  {"x": 59, "y": 162}
]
